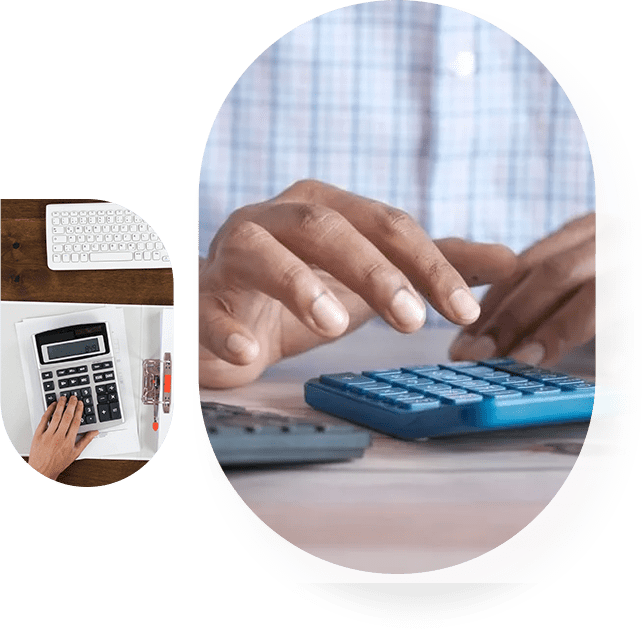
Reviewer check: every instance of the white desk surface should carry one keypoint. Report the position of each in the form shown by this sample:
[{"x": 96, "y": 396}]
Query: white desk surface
[{"x": 404, "y": 507}]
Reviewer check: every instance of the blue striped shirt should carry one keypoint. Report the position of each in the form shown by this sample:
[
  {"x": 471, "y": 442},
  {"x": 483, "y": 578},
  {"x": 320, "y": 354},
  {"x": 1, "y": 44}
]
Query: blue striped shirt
[{"x": 424, "y": 107}]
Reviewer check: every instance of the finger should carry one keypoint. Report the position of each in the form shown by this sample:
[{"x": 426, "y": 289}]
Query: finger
[
  {"x": 251, "y": 261},
  {"x": 76, "y": 419},
  {"x": 68, "y": 415},
  {"x": 543, "y": 290},
  {"x": 223, "y": 334},
  {"x": 580, "y": 231},
  {"x": 58, "y": 413},
  {"x": 403, "y": 242},
  {"x": 42, "y": 426},
  {"x": 570, "y": 235},
  {"x": 323, "y": 237},
  {"x": 83, "y": 442},
  {"x": 478, "y": 263},
  {"x": 570, "y": 327}
]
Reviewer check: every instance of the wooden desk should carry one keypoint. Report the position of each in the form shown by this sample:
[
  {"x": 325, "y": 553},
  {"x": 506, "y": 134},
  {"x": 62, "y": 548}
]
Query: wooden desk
[
  {"x": 404, "y": 507},
  {"x": 25, "y": 276}
]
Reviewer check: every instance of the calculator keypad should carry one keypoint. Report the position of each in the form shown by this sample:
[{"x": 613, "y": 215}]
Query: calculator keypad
[{"x": 100, "y": 398}]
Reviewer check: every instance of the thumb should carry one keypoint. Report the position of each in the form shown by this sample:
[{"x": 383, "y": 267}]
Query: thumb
[
  {"x": 478, "y": 263},
  {"x": 84, "y": 441}
]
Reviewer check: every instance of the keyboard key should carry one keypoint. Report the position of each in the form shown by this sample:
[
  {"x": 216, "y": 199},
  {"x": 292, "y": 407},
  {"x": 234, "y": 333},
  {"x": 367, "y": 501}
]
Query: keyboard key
[{"x": 118, "y": 256}]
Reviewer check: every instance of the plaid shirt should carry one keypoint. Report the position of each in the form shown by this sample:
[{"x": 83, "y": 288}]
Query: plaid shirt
[{"x": 424, "y": 107}]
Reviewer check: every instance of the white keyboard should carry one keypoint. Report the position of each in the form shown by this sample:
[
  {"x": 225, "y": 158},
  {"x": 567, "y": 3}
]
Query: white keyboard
[{"x": 88, "y": 236}]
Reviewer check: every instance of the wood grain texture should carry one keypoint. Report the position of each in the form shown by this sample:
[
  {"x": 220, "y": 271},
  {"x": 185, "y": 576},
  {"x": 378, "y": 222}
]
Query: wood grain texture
[
  {"x": 25, "y": 275},
  {"x": 97, "y": 472}
]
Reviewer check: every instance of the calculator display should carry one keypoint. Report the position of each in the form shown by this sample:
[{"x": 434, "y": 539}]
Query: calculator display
[{"x": 75, "y": 348}]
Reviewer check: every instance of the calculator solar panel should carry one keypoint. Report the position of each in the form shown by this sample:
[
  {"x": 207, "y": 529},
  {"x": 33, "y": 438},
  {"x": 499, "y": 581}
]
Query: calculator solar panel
[{"x": 453, "y": 398}]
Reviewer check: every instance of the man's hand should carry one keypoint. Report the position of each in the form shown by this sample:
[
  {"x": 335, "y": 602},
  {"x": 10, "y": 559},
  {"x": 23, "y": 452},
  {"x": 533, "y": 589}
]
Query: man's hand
[
  {"x": 54, "y": 445},
  {"x": 546, "y": 308},
  {"x": 316, "y": 262}
]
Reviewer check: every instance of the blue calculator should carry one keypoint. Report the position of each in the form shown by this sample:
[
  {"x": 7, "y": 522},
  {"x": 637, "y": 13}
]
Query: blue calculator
[{"x": 453, "y": 398}]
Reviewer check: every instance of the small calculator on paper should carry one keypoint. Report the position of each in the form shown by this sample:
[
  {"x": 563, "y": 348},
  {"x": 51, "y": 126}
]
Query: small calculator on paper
[
  {"x": 419, "y": 402},
  {"x": 79, "y": 360}
]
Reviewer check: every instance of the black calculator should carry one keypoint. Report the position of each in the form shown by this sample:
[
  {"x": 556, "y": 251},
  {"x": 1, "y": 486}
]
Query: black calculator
[{"x": 78, "y": 360}]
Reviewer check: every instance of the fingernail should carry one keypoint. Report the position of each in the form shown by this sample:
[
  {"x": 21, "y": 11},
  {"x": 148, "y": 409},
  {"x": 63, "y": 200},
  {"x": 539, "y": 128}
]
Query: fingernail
[
  {"x": 407, "y": 310},
  {"x": 483, "y": 347},
  {"x": 328, "y": 314},
  {"x": 533, "y": 353},
  {"x": 460, "y": 344},
  {"x": 464, "y": 305},
  {"x": 240, "y": 345}
]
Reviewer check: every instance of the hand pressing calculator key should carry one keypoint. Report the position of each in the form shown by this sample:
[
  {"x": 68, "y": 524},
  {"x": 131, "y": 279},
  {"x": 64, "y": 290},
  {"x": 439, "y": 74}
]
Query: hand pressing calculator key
[
  {"x": 453, "y": 398},
  {"x": 78, "y": 360}
]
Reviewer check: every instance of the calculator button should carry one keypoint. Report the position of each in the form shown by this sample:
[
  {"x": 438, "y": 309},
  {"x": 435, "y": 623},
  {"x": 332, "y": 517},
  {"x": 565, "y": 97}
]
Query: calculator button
[
  {"x": 101, "y": 390},
  {"x": 73, "y": 382},
  {"x": 49, "y": 385},
  {"x": 89, "y": 410},
  {"x": 103, "y": 413},
  {"x": 99, "y": 377},
  {"x": 70, "y": 371},
  {"x": 109, "y": 375},
  {"x": 90, "y": 419},
  {"x": 422, "y": 404},
  {"x": 50, "y": 398},
  {"x": 81, "y": 369},
  {"x": 87, "y": 400},
  {"x": 112, "y": 397},
  {"x": 61, "y": 372},
  {"x": 115, "y": 411},
  {"x": 46, "y": 375},
  {"x": 83, "y": 380},
  {"x": 85, "y": 392},
  {"x": 341, "y": 380},
  {"x": 63, "y": 384},
  {"x": 466, "y": 398},
  {"x": 95, "y": 366},
  {"x": 102, "y": 399}
]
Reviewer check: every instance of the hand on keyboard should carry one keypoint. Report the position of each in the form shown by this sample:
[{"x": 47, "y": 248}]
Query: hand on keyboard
[
  {"x": 546, "y": 308},
  {"x": 54, "y": 447},
  {"x": 315, "y": 262}
]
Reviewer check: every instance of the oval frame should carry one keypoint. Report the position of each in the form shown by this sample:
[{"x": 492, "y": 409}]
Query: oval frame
[{"x": 579, "y": 512}]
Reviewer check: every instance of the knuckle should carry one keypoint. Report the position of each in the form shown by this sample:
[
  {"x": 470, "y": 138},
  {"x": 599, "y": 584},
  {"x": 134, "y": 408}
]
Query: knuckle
[
  {"x": 394, "y": 222},
  {"x": 317, "y": 221},
  {"x": 377, "y": 273},
  {"x": 304, "y": 189},
  {"x": 294, "y": 278},
  {"x": 242, "y": 235},
  {"x": 554, "y": 271}
]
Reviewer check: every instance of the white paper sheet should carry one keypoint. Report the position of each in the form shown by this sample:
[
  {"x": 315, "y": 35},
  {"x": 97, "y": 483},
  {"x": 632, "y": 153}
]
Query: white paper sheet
[
  {"x": 149, "y": 333},
  {"x": 119, "y": 441}
]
